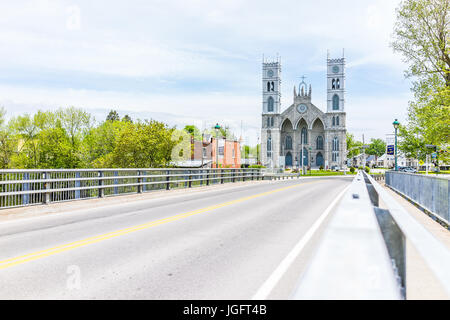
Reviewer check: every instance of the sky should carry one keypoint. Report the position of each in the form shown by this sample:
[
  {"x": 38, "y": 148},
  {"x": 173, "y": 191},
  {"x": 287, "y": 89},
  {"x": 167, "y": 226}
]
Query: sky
[{"x": 199, "y": 61}]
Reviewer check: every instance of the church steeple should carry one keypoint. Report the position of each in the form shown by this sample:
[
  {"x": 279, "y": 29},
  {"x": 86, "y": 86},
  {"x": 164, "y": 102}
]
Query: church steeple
[{"x": 304, "y": 91}]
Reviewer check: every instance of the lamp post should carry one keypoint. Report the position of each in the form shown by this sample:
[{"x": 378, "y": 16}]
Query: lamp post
[
  {"x": 396, "y": 124},
  {"x": 217, "y": 127}
]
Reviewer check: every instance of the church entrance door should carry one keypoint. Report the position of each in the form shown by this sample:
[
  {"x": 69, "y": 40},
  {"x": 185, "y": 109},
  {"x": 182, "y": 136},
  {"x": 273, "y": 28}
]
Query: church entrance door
[
  {"x": 319, "y": 159},
  {"x": 288, "y": 159}
]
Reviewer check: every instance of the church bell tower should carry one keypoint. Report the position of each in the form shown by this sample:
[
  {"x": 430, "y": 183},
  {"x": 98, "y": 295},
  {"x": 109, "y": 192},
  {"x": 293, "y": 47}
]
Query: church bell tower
[
  {"x": 335, "y": 84},
  {"x": 271, "y": 109}
]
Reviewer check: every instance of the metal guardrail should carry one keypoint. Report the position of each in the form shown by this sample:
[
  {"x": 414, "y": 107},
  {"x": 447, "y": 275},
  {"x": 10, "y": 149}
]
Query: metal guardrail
[
  {"x": 430, "y": 192},
  {"x": 25, "y": 187},
  {"x": 378, "y": 177},
  {"x": 363, "y": 251}
]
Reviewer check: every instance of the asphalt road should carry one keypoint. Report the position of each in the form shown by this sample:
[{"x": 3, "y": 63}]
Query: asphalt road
[{"x": 216, "y": 244}]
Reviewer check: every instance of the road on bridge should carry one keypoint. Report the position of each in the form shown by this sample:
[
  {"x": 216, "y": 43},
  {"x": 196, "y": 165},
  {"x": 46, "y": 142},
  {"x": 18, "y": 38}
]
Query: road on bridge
[{"x": 221, "y": 243}]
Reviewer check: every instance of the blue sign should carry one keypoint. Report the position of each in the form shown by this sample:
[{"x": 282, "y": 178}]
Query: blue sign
[
  {"x": 434, "y": 155},
  {"x": 390, "y": 149}
]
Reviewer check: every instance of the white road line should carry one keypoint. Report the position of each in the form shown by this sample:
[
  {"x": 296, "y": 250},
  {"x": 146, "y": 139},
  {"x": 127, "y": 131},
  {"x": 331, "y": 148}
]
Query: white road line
[{"x": 275, "y": 277}]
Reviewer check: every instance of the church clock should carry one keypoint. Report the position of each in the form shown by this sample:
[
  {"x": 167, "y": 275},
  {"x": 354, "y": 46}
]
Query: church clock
[
  {"x": 335, "y": 69},
  {"x": 270, "y": 73},
  {"x": 302, "y": 108}
]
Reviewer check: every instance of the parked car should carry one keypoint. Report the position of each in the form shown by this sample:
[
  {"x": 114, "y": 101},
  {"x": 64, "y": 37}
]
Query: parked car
[{"x": 408, "y": 170}]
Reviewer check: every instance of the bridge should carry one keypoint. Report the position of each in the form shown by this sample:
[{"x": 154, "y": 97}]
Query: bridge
[{"x": 214, "y": 234}]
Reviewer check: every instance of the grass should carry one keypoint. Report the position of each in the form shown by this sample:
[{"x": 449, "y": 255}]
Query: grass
[{"x": 432, "y": 172}]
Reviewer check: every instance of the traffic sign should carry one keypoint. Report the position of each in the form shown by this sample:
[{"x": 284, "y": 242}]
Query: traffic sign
[{"x": 434, "y": 155}]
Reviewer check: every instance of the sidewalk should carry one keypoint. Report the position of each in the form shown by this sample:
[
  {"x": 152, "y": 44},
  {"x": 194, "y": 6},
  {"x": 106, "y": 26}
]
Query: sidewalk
[{"x": 421, "y": 283}]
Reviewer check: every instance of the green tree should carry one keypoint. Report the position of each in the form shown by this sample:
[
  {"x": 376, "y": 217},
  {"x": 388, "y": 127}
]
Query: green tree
[
  {"x": 377, "y": 147},
  {"x": 113, "y": 116},
  {"x": 193, "y": 131},
  {"x": 8, "y": 142},
  {"x": 143, "y": 145},
  {"x": 422, "y": 36},
  {"x": 127, "y": 118},
  {"x": 99, "y": 143},
  {"x": 410, "y": 143},
  {"x": 353, "y": 146}
]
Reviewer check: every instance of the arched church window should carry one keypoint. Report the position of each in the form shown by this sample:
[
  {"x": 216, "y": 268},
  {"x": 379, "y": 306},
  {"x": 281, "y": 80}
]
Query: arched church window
[
  {"x": 269, "y": 146},
  {"x": 335, "y": 149},
  {"x": 268, "y": 121},
  {"x": 273, "y": 86},
  {"x": 319, "y": 143},
  {"x": 337, "y": 120},
  {"x": 335, "y": 102},
  {"x": 335, "y": 144},
  {"x": 305, "y": 135},
  {"x": 271, "y": 121},
  {"x": 268, "y": 86},
  {"x": 334, "y": 122},
  {"x": 333, "y": 84},
  {"x": 270, "y": 104},
  {"x": 338, "y": 85},
  {"x": 288, "y": 143}
]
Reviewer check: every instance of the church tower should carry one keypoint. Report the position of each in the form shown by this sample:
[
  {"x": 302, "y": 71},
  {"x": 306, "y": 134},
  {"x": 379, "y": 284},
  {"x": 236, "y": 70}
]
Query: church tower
[
  {"x": 271, "y": 81},
  {"x": 335, "y": 133},
  {"x": 335, "y": 84},
  {"x": 271, "y": 94}
]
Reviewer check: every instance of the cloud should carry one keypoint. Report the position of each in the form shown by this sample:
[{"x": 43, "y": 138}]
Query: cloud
[{"x": 194, "y": 59}]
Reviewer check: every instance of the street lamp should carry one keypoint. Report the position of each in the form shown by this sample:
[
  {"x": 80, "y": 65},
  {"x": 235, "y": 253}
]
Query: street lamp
[
  {"x": 217, "y": 127},
  {"x": 396, "y": 124}
]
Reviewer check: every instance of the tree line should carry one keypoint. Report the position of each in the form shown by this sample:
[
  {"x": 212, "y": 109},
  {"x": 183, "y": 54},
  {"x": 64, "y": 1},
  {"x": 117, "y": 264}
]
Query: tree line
[
  {"x": 71, "y": 138},
  {"x": 422, "y": 36}
]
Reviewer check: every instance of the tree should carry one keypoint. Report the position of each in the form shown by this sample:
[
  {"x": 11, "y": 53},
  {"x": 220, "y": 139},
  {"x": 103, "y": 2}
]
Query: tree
[
  {"x": 127, "y": 118},
  {"x": 8, "y": 143},
  {"x": 144, "y": 145},
  {"x": 422, "y": 34},
  {"x": 377, "y": 147},
  {"x": 113, "y": 116},
  {"x": 193, "y": 131},
  {"x": 410, "y": 143},
  {"x": 353, "y": 146}
]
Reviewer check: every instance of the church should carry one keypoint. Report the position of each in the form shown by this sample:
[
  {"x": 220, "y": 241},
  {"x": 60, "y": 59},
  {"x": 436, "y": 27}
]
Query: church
[{"x": 303, "y": 131}]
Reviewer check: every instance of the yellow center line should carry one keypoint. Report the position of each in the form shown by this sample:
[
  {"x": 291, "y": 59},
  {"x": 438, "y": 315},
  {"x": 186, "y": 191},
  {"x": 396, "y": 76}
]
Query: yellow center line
[{"x": 76, "y": 244}]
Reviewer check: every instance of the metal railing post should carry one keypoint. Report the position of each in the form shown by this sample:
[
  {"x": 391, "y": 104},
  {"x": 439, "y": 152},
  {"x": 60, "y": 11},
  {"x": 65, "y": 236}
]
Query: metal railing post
[
  {"x": 101, "y": 191},
  {"x": 26, "y": 187},
  {"x": 77, "y": 185},
  {"x": 47, "y": 187},
  {"x": 139, "y": 181},
  {"x": 116, "y": 181},
  {"x": 190, "y": 178},
  {"x": 167, "y": 180}
]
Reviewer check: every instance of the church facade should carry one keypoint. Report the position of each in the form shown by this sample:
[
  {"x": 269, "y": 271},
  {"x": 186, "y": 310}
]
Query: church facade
[{"x": 303, "y": 131}]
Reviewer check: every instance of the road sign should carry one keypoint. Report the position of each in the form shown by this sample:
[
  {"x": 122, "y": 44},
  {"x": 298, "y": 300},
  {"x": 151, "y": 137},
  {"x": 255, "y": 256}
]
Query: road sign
[
  {"x": 390, "y": 149},
  {"x": 434, "y": 155},
  {"x": 421, "y": 162}
]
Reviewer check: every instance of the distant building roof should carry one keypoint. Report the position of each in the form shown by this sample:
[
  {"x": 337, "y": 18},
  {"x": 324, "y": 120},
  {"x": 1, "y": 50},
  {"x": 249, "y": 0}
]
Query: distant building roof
[{"x": 190, "y": 163}]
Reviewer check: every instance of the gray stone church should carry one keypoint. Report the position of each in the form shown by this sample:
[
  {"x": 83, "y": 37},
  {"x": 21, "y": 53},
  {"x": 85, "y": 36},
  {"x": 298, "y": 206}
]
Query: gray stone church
[{"x": 303, "y": 126}]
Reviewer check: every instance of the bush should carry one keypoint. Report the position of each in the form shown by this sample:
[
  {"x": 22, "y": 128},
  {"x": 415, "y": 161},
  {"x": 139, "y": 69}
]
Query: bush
[
  {"x": 294, "y": 171},
  {"x": 256, "y": 166},
  {"x": 352, "y": 169},
  {"x": 367, "y": 169},
  {"x": 321, "y": 167}
]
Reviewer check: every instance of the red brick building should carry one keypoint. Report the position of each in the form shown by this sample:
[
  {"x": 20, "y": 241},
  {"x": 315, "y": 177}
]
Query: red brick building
[{"x": 229, "y": 153}]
